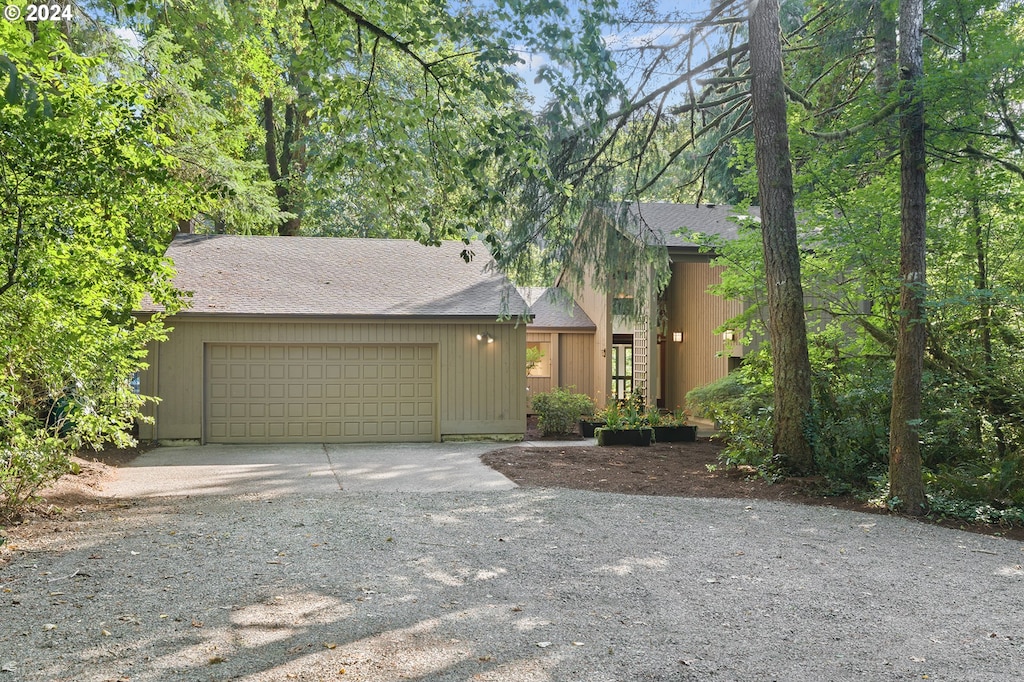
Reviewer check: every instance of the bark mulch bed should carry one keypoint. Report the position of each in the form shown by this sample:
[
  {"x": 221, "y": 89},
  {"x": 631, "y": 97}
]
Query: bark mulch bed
[{"x": 675, "y": 469}]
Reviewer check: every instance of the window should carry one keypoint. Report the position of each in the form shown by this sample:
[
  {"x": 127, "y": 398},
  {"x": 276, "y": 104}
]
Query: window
[{"x": 538, "y": 359}]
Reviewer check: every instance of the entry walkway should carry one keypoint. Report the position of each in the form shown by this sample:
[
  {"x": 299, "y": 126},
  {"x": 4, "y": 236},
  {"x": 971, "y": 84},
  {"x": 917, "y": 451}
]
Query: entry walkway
[{"x": 289, "y": 469}]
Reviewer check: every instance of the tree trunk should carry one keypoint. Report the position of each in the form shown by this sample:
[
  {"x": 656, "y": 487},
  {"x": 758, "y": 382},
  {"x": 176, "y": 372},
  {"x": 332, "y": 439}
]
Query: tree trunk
[
  {"x": 985, "y": 324},
  {"x": 885, "y": 47},
  {"x": 280, "y": 170},
  {"x": 906, "y": 485},
  {"x": 786, "y": 325}
]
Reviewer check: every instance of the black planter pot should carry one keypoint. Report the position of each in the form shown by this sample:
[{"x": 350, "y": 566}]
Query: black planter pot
[
  {"x": 607, "y": 436},
  {"x": 587, "y": 427},
  {"x": 675, "y": 434}
]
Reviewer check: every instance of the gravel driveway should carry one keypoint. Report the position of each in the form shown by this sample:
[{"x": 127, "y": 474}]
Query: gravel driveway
[{"x": 517, "y": 584}]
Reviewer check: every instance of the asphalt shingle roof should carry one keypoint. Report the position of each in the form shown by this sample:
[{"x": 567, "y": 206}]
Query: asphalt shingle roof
[
  {"x": 329, "y": 276},
  {"x": 665, "y": 219},
  {"x": 552, "y": 311}
]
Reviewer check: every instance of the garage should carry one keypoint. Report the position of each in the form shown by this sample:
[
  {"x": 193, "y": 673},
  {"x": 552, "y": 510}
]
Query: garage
[
  {"x": 303, "y": 393},
  {"x": 330, "y": 340}
]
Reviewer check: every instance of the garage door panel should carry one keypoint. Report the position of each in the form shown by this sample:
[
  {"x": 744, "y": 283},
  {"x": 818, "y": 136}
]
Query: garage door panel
[{"x": 309, "y": 393}]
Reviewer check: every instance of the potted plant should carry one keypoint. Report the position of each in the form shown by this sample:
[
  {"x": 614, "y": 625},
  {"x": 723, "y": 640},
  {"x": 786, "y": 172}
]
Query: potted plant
[
  {"x": 624, "y": 426},
  {"x": 672, "y": 427}
]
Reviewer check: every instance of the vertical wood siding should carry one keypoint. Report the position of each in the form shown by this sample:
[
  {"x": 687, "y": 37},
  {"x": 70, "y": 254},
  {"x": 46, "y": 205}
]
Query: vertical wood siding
[
  {"x": 572, "y": 362},
  {"x": 576, "y": 361},
  {"x": 598, "y": 307},
  {"x": 696, "y": 313}
]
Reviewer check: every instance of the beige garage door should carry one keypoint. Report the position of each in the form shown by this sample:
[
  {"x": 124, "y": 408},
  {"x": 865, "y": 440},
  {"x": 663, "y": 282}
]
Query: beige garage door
[{"x": 319, "y": 394}]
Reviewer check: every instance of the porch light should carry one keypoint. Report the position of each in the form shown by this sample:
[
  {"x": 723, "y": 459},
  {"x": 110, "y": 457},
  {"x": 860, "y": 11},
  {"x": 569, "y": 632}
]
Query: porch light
[
  {"x": 677, "y": 337},
  {"x": 728, "y": 335},
  {"x": 484, "y": 336}
]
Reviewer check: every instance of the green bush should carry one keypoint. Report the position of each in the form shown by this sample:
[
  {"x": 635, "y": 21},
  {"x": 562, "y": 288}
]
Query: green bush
[
  {"x": 849, "y": 423},
  {"x": 559, "y": 410},
  {"x": 740, "y": 403},
  {"x": 26, "y": 466}
]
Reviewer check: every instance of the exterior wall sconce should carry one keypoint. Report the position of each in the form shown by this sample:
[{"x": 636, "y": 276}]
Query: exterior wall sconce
[
  {"x": 677, "y": 337},
  {"x": 729, "y": 335},
  {"x": 484, "y": 336}
]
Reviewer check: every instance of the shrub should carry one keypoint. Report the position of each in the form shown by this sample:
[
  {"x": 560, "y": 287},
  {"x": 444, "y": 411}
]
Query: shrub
[
  {"x": 560, "y": 409},
  {"x": 27, "y": 465},
  {"x": 740, "y": 404}
]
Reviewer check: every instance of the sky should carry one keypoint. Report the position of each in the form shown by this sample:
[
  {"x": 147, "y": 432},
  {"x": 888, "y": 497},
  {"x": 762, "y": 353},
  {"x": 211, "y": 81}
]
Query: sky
[{"x": 621, "y": 39}]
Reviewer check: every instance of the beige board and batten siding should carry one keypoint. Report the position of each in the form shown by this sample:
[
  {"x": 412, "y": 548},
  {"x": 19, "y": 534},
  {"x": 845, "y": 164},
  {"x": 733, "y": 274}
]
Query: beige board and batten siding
[
  {"x": 597, "y": 368},
  {"x": 479, "y": 390},
  {"x": 576, "y": 361},
  {"x": 571, "y": 361},
  {"x": 702, "y": 356}
]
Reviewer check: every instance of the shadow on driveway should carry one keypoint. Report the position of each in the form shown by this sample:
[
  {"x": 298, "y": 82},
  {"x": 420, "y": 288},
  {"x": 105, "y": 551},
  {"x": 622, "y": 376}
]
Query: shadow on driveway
[{"x": 307, "y": 469}]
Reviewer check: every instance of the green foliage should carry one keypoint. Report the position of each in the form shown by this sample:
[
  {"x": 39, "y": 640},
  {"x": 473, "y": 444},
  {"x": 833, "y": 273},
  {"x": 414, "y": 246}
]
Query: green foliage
[
  {"x": 366, "y": 119},
  {"x": 848, "y": 424},
  {"x": 560, "y": 409},
  {"x": 612, "y": 416},
  {"x": 656, "y": 417},
  {"x": 533, "y": 356},
  {"x": 740, "y": 404},
  {"x": 90, "y": 198},
  {"x": 997, "y": 482},
  {"x": 26, "y": 465},
  {"x": 974, "y": 511},
  {"x": 630, "y": 413}
]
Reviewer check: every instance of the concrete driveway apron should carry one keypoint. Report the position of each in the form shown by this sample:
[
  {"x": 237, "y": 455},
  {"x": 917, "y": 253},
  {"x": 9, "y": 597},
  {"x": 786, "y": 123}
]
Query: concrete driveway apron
[{"x": 297, "y": 469}]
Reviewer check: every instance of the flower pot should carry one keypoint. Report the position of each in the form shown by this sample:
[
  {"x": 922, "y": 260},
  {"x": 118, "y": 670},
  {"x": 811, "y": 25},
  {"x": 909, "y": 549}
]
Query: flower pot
[
  {"x": 587, "y": 427},
  {"x": 675, "y": 434},
  {"x": 606, "y": 436}
]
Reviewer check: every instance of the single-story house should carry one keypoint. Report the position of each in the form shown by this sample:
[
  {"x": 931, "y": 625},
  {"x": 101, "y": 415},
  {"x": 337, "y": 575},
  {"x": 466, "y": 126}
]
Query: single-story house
[
  {"x": 317, "y": 339},
  {"x": 563, "y": 335},
  {"x": 674, "y": 347}
]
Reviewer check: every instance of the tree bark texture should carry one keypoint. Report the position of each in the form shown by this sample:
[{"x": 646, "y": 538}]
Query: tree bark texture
[
  {"x": 281, "y": 167},
  {"x": 885, "y": 48},
  {"x": 786, "y": 326},
  {"x": 906, "y": 486}
]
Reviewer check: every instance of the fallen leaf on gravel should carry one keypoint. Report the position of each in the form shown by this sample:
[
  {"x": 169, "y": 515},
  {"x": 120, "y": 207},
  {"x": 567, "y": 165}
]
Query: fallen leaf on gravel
[
  {"x": 49, "y": 626},
  {"x": 577, "y": 643},
  {"x": 197, "y": 623},
  {"x": 214, "y": 660},
  {"x": 105, "y": 633},
  {"x": 543, "y": 645},
  {"x": 330, "y": 645}
]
